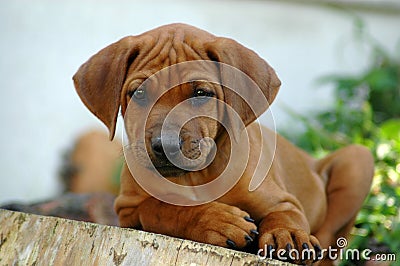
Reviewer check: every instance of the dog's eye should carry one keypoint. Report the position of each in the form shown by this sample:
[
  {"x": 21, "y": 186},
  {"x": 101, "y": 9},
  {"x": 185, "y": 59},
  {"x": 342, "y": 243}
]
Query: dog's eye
[
  {"x": 200, "y": 96},
  {"x": 138, "y": 94},
  {"x": 202, "y": 93}
]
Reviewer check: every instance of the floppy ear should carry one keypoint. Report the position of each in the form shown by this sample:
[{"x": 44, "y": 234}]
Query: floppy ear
[
  {"x": 230, "y": 52},
  {"x": 99, "y": 81}
]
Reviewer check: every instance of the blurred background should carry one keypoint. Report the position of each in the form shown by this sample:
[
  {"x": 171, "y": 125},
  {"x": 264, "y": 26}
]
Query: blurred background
[
  {"x": 325, "y": 53},
  {"x": 44, "y": 42}
]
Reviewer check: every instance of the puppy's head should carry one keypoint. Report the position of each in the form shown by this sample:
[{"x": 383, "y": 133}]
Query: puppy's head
[{"x": 171, "y": 109}]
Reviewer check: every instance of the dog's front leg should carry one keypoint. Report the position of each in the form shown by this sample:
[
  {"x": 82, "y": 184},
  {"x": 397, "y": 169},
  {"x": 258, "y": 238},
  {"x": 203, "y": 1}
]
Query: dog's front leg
[
  {"x": 286, "y": 235},
  {"x": 214, "y": 223}
]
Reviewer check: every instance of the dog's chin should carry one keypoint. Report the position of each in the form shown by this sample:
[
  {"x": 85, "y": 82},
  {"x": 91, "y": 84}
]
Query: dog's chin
[{"x": 170, "y": 171}]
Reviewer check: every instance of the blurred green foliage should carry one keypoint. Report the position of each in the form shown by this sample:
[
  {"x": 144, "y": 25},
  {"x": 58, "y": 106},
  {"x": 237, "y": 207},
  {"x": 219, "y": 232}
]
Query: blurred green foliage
[{"x": 366, "y": 111}]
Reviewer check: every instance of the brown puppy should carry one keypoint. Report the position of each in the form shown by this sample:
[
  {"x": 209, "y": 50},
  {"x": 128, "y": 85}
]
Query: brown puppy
[{"x": 301, "y": 204}]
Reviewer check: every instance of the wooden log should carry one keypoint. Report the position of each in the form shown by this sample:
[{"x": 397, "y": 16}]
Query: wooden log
[{"x": 27, "y": 239}]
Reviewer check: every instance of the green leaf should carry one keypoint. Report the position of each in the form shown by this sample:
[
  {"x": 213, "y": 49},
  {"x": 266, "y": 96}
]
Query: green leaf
[
  {"x": 383, "y": 79},
  {"x": 390, "y": 129}
]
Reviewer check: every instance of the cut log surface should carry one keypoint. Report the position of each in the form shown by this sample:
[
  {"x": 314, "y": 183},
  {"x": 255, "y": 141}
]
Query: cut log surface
[{"x": 27, "y": 239}]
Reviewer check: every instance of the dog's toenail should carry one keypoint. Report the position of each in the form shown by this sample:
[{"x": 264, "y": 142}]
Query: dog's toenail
[
  {"x": 254, "y": 231},
  {"x": 317, "y": 253},
  {"x": 270, "y": 248},
  {"x": 305, "y": 246},
  {"x": 248, "y": 238},
  {"x": 231, "y": 243},
  {"x": 249, "y": 219}
]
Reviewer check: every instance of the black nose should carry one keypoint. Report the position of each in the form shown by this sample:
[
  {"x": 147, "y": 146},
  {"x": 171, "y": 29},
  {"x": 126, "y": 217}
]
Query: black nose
[{"x": 169, "y": 146}]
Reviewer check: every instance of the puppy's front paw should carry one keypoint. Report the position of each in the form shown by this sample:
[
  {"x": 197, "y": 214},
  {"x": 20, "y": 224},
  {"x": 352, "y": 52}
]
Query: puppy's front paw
[
  {"x": 223, "y": 225},
  {"x": 291, "y": 245}
]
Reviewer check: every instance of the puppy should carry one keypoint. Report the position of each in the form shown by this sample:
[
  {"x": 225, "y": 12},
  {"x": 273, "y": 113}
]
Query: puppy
[{"x": 189, "y": 100}]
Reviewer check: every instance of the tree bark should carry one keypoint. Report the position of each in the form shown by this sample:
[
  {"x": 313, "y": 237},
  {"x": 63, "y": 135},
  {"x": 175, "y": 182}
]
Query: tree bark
[{"x": 27, "y": 239}]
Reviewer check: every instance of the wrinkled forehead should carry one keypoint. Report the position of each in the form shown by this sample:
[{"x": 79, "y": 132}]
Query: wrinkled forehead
[{"x": 166, "y": 76}]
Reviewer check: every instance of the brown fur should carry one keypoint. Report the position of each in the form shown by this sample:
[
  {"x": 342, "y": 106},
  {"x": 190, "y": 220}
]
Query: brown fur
[{"x": 95, "y": 160}]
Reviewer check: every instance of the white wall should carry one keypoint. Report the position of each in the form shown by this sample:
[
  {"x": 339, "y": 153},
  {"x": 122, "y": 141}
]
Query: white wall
[{"x": 44, "y": 42}]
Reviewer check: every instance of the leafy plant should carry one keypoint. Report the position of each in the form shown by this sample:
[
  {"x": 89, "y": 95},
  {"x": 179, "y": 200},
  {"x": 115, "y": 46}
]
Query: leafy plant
[{"x": 366, "y": 111}]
